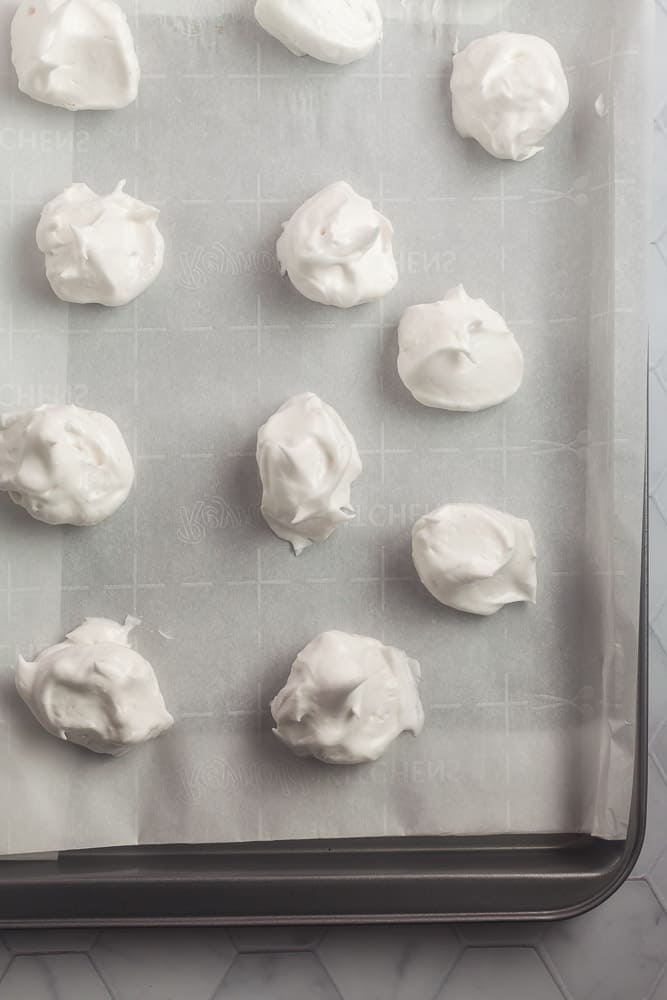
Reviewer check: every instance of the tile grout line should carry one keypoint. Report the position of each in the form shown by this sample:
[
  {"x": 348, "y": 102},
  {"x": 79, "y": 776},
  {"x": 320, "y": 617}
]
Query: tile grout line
[
  {"x": 97, "y": 969},
  {"x": 9, "y": 965},
  {"x": 315, "y": 952},
  {"x": 657, "y": 982},
  {"x": 550, "y": 966}
]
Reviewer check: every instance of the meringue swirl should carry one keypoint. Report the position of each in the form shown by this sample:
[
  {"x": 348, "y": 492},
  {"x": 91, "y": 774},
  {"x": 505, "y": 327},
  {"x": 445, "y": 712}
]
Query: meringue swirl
[
  {"x": 99, "y": 248},
  {"x": 75, "y": 54},
  {"x": 508, "y": 92},
  {"x": 337, "y": 249},
  {"x": 307, "y": 462},
  {"x": 475, "y": 558},
  {"x": 347, "y": 698},
  {"x": 94, "y": 690},
  {"x": 458, "y": 354},
  {"x": 64, "y": 465},
  {"x": 333, "y": 31}
]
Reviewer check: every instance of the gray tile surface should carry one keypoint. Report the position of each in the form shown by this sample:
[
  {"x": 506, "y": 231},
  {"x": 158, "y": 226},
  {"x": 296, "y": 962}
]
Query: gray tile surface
[
  {"x": 372, "y": 963},
  {"x": 188, "y": 963},
  {"x": 277, "y": 976},
  {"x": 50, "y": 977},
  {"x": 501, "y": 973},
  {"x": 617, "y": 952}
]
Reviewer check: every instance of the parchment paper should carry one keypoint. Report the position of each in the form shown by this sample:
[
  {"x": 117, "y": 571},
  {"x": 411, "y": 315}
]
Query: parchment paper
[{"x": 530, "y": 713}]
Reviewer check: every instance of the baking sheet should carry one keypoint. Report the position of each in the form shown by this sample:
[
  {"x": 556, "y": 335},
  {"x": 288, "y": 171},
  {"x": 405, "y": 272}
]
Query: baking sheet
[{"x": 529, "y": 714}]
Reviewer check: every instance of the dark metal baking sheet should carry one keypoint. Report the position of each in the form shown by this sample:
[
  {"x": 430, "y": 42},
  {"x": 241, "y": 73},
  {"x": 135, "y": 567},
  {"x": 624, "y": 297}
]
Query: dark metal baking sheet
[{"x": 407, "y": 879}]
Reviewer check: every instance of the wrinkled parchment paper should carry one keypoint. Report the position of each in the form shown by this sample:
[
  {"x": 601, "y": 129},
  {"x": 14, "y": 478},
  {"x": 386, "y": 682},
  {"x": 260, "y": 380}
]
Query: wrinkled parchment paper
[{"x": 530, "y": 713}]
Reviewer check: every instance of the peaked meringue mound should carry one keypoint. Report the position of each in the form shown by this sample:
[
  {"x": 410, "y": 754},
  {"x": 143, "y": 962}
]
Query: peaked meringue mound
[
  {"x": 508, "y": 92},
  {"x": 94, "y": 690},
  {"x": 64, "y": 465},
  {"x": 307, "y": 462},
  {"x": 99, "y": 248},
  {"x": 475, "y": 558},
  {"x": 458, "y": 354},
  {"x": 347, "y": 698},
  {"x": 333, "y": 31},
  {"x": 337, "y": 249},
  {"x": 75, "y": 54}
]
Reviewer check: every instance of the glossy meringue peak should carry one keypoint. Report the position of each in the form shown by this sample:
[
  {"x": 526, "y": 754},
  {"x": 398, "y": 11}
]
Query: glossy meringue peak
[
  {"x": 347, "y": 698},
  {"x": 99, "y": 248},
  {"x": 475, "y": 558},
  {"x": 337, "y": 249},
  {"x": 307, "y": 462},
  {"x": 75, "y": 54},
  {"x": 92, "y": 689},
  {"x": 64, "y": 465},
  {"x": 333, "y": 31},
  {"x": 508, "y": 92},
  {"x": 458, "y": 354}
]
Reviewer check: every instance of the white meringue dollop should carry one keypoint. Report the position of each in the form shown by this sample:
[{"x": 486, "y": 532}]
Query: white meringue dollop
[
  {"x": 64, "y": 465},
  {"x": 337, "y": 249},
  {"x": 347, "y": 698},
  {"x": 333, "y": 31},
  {"x": 75, "y": 54},
  {"x": 475, "y": 558},
  {"x": 94, "y": 690},
  {"x": 508, "y": 92},
  {"x": 307, "y": 462},
  {"x": 99, "y": 248},
  {"x": 458, "y": 354}
]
